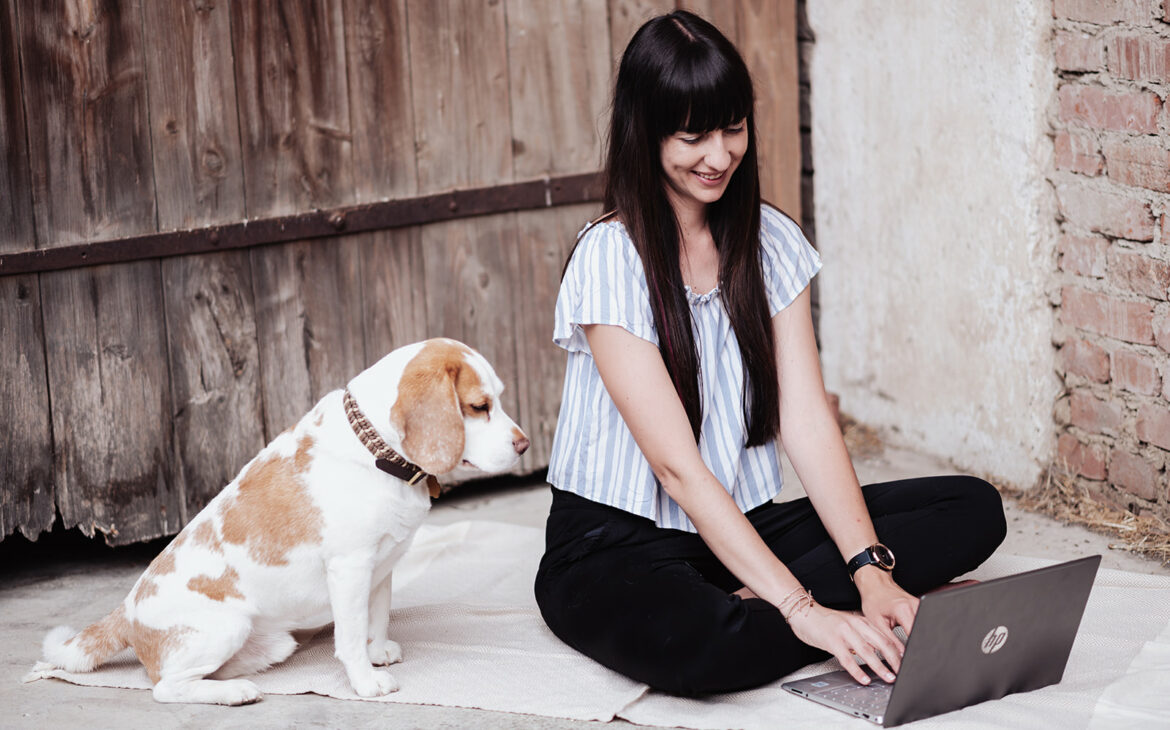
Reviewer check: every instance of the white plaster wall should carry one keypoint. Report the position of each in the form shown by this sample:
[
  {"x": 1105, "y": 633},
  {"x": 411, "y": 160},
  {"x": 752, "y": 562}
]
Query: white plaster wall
[{"x": 936, "y": 224}]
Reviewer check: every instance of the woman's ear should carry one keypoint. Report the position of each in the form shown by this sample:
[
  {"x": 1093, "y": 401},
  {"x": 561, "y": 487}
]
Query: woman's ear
[{"x": 428, "y": 415}]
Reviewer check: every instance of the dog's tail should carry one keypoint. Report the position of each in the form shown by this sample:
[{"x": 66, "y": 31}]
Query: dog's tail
[{"x": 85, "y": 651}]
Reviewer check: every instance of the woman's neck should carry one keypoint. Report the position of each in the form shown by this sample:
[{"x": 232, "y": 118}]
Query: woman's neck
[{"x": 690, "y": 214}]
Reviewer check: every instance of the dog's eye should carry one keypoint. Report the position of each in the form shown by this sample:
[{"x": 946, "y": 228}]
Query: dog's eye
[{"x": 480, "y": 407}]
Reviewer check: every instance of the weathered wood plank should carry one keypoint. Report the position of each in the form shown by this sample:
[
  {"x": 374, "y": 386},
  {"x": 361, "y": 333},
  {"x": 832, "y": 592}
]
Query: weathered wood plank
[
  {"x": 294, "y": 109},
  {"x": 472, "y": 272},
  {"x": 106, "y": 354},
  {"x": 26, "y": 445},
  {"x": 559, "y": 64},
  {"x": 767, "y": 41},
  {"x": 16, "y": 225},
  {"x": 393, "y": 307},
  {"x": 90, "y": 146},
  {"x": 459, "y": 81},
  {"x": 194, "y": 129},
  {"x": 379, "y": 100},
  {"x": 719, "y": 13},
  {"x": 308, "y": 324},
  {"x": 106, "y": 342},
  {"x": 215, "y": 364},
  {"x": 297, "y": 152},
  {"x": 394, "y": 298},
  {"x": 626, "y": 16},
  {"x": 198, "y": 173}
]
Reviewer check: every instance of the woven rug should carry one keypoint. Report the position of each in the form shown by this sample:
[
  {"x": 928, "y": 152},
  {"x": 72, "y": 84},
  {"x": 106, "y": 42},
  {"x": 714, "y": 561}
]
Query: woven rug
[{"x": 472, "y": 637}]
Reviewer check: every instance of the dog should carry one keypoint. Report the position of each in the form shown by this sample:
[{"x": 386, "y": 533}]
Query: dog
[{"x": 308, "y": 533}]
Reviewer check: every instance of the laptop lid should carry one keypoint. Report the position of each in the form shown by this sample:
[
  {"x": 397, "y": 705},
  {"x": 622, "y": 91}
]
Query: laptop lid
[{"x": 984, "y": 641}]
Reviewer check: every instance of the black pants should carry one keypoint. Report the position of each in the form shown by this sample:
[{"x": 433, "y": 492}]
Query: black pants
[{"x": 656, "y": 605}]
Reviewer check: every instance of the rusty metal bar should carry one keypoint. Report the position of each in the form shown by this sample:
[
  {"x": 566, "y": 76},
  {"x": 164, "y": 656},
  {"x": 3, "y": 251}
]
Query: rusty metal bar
[{"x": 529, "y": 195}]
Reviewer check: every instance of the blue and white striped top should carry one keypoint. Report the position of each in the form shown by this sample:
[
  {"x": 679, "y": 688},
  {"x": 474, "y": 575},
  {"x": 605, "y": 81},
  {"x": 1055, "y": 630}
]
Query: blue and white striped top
[{"x": 593, "y": 454}]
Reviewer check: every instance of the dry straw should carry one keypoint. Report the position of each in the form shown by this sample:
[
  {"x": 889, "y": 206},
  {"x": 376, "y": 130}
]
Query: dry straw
[{"x": 1060, "y": 497}]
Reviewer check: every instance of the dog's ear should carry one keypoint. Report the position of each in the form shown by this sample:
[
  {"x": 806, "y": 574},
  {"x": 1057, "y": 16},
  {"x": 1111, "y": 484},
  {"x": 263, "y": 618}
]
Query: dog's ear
[{"x": 427, "y": 413}]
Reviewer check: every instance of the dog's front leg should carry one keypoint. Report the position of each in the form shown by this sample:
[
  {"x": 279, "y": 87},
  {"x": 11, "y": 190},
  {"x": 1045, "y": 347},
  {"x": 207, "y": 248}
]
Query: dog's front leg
[
  {"x": 382, "y": 650},
  {"x": 349, "y": 578}
]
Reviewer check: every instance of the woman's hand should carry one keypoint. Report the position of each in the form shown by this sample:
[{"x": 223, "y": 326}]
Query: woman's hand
[
  {"x": 884, "y": 602},
  {"x": 848, "y": 637}
]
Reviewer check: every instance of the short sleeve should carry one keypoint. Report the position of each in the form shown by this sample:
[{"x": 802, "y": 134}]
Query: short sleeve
[
  {"x": 789, "y": 260},
  {"x": 603, "y": 284}
]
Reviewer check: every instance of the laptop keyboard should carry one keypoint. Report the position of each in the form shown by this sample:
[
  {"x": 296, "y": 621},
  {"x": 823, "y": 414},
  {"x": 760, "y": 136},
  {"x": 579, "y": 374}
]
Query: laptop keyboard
[{"x": 872, "y": 699}]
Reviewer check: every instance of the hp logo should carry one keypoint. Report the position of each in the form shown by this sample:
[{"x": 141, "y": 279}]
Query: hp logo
[{"x": 994, "y": 640}]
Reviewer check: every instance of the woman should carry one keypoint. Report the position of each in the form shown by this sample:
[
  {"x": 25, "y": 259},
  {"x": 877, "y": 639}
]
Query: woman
[{"x": 685, "y": 313}]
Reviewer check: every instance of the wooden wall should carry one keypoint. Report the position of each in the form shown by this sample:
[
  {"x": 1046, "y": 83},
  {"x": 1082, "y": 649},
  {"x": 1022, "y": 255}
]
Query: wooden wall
[{"x": 131, "y": 393}]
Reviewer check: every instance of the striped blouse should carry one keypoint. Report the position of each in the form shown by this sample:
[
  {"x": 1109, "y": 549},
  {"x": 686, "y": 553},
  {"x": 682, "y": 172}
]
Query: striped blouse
[{"x": 593, "y": 454}]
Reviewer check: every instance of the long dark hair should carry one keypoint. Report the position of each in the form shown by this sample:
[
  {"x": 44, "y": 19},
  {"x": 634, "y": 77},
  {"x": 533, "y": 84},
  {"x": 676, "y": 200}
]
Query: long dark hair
[{"x": 679, "y": 73}]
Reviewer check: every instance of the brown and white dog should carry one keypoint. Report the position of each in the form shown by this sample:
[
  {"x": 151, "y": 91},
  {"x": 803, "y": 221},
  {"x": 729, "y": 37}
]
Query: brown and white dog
[{"x": 308, "y": 534}]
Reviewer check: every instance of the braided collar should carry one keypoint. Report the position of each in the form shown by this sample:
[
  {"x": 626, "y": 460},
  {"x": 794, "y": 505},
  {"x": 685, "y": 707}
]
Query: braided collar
[{"x": 385, "y": 458}]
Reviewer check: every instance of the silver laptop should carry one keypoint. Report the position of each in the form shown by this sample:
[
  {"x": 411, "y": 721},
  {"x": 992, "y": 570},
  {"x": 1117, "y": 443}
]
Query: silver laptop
[{"x": 972, "y": 644}]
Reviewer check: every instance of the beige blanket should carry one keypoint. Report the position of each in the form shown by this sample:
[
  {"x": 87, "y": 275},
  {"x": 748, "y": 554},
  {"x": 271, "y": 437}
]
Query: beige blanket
[{"x": 472, "y": 637}]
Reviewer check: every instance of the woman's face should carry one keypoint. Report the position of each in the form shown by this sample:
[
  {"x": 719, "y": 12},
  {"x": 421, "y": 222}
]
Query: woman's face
[{"x": 699, "y": 166}]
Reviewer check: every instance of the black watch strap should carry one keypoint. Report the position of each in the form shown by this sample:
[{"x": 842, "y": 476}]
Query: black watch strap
[{"x": 876, "y": 554}]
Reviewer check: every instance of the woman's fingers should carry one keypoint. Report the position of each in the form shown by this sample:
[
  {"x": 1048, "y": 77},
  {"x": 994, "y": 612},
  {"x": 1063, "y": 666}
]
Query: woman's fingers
[
  {"x": 861, "y": 640},
  {"x": 888, "y": 646},
  {"x": 849, "y": 664},
  {"x": 905, "y": 613}
]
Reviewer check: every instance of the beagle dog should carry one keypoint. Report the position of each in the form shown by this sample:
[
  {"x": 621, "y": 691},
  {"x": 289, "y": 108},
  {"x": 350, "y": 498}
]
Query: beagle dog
[{"x": 308, "y": 533}]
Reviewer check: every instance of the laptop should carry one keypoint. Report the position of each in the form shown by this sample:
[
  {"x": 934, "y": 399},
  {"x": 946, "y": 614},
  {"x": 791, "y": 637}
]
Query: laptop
[{"x": 971, "y": 644}]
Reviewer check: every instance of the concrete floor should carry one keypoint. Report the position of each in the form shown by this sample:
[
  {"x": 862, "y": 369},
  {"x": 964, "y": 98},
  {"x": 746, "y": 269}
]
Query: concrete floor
[{"x": 43, "y": 586}]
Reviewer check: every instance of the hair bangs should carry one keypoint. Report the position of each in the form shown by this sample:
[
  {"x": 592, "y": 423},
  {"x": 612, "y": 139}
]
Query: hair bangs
[{"x": 702, "y": 93}]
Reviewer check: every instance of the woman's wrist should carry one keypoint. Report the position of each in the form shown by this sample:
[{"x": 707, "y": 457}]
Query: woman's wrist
[
  {"x": 871, "y": 577},
  {"x": 797, "y": 603}
]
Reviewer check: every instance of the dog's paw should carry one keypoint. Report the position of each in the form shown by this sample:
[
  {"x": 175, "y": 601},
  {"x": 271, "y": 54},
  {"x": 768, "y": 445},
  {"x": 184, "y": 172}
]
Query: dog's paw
[
  {"x": 375, "y": 684},
  {"x": 240, "y": 692},
  {"x": 388, "y": 652}
]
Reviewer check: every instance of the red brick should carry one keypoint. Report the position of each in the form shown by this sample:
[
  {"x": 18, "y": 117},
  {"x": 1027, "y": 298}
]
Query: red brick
[
  {"x": 1161, "y": 326},
  {"x": 1079, "y": 357},
  {"x": 1079, "y": 52},
  {"x": 1106, "y": 315},
  {"x": 1140, "y": 58},
  {"x": 1107, "y": 213},
  {"x": 1105, "y": 12},
  {"x": 1078, "y": 153},
  {"x": 1093, "y": 415},
  {"x": 1083, "y": 255},
  {"x": 1153, "y": 425},
  {"x": 1136, "y": 372},
  {"x": 1142, "y": 162},
  {"x": 1138, "y": 273},
  {"x": 1077, "y": 458},
  {"x": 1131, "y": 111},
  {"x": 1133, "y": 474}
]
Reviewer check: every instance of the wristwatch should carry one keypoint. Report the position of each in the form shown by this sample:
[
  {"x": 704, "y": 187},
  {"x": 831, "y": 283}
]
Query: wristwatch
[{"x": 876, "y": 554}]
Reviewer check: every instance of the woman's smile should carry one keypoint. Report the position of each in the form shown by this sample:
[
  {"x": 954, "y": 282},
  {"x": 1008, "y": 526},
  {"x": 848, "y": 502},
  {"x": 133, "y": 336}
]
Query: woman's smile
[{"x": 698, "y": 166}]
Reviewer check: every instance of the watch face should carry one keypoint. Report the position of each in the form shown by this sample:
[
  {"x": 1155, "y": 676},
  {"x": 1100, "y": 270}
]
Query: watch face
[{"x": 883, "y": 555}]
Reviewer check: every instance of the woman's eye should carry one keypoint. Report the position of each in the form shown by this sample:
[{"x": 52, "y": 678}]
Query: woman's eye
[
  {"x": 734, "y": 130},
  {"x": 690, "y": 140}
]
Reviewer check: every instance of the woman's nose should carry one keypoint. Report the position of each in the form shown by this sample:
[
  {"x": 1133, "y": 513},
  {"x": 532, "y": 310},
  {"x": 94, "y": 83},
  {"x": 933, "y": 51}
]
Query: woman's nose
[{"x": 717, "y": 155}]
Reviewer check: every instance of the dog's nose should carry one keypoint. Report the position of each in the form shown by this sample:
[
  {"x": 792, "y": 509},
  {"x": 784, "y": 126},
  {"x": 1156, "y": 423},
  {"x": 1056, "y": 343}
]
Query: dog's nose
[{"x": 521, "y": 444}]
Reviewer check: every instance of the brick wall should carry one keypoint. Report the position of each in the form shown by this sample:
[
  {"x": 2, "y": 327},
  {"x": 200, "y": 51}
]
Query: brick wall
[{"x": 1111, "y": 124}]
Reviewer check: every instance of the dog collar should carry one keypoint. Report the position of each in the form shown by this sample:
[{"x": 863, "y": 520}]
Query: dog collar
[{"x": 385, "y": 458}]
